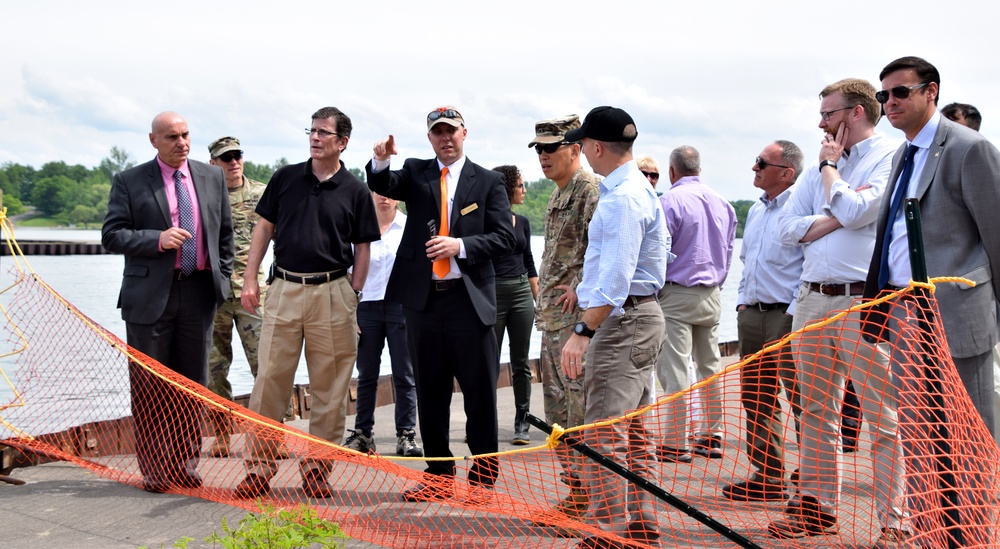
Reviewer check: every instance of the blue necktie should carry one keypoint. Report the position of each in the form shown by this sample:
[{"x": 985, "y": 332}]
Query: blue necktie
[
  {"x": 897, "y": 200},
  {"x": 189, "y": 248}
]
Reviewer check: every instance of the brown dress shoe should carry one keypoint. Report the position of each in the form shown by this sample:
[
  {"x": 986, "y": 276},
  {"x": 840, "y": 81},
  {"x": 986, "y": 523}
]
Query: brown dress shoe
[
  {"x": 314, "y": 485},
  {"x": 804, "y": 519},
  {"x": 755, "y": 490},
  {"x": 426, "y": 492},
  {"x": 252, "y": 487},
  {"x": 220, "y": 447}
]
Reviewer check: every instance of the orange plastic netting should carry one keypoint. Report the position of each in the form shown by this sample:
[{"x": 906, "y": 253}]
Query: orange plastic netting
[{"x": 73, "y": 400}]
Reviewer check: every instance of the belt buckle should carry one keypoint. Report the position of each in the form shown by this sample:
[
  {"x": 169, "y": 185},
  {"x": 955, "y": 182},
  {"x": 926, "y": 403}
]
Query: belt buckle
[
  {"x": 828, "y": 292},
  {"x": 760, "y": 307}
]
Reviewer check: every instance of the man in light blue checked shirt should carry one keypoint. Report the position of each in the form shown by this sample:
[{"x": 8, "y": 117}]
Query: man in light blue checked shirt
[{"x": 622, "y": 325}]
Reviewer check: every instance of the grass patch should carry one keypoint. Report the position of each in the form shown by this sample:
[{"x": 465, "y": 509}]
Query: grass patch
[{"x": 40, "y": 221}]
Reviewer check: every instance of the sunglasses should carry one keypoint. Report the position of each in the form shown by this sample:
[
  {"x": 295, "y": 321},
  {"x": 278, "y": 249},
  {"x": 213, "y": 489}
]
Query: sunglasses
[
  {"x": 763, "y": 164},
  {"x": 899, "y": 92},
  {"x": 651, "y": 175},
  {"x": 443, "y": 113},
  {"x": 230, "y": 156},
  {"x": 552, "y": 147}
]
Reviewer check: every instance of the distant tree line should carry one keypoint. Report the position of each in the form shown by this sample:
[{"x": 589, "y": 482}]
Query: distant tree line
[
  {"x": 536, "y": 200},
  {"x": 78, "y": 196}
]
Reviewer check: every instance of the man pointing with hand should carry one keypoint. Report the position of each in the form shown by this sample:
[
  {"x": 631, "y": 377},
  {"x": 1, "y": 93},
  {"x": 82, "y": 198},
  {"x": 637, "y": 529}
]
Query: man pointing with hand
[{"x": 458, "y": 217}]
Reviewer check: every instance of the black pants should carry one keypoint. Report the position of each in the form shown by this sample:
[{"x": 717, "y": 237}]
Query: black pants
[
  {"x": 167, "y": 425},
  {"x": 448, "y": 342}
]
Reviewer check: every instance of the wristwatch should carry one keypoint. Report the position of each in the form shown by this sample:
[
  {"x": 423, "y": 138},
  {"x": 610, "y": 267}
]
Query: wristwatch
[
  {"x": 581, "y": 329},
  {"x": 359, "y": 293},
  {"x": 826, "y": 163}
]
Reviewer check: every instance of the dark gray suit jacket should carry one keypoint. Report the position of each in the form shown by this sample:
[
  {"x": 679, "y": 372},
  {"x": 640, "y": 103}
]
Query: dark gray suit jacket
[
  {"x": 138, "y": 212},
  {"x": 959, "y": 193}
]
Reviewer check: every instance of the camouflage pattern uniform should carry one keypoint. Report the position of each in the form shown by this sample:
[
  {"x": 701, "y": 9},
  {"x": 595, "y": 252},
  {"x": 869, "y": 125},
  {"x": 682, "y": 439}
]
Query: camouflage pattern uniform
[
  {"x": 243, "y": 202},
  {"x": 566, "y": 219}
]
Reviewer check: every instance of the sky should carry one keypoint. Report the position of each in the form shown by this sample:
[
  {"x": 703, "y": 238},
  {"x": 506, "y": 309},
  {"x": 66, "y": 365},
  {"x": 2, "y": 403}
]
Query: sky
[{"x": 77, "y": 78}]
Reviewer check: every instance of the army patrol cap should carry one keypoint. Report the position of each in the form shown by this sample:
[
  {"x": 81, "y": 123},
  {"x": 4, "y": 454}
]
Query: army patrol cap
[
  {"x": 224, "y": 145},
  {"x": 554, "y": 130},
  {"x": 608, "y": 124},
  {"x": 447, "y": 114}
]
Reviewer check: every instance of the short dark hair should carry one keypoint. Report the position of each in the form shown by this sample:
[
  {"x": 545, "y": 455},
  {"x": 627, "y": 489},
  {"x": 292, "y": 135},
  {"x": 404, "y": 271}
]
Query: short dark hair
[
  {"x": 341, "y": 121},
  {"x": 791, "y": 155},
  {"x": 925, "y": 71},
  {"x": 685, "y": 160},
  {"x": 972, "y": 116},
  {"x": 510, "y": 174}
]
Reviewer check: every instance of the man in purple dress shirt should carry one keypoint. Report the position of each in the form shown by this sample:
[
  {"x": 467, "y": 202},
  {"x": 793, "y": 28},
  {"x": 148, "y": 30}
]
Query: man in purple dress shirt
[{"x": 702, "y": 225}]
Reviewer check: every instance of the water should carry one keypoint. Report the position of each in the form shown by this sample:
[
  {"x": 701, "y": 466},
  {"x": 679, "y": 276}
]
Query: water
[{"x": 92, "y": 282}]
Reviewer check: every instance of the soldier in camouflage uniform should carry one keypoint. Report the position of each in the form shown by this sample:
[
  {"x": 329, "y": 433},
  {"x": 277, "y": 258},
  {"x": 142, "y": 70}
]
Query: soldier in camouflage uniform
[
  {"x": 243, "y": 196},
  {"x": 567, "y": 216}
]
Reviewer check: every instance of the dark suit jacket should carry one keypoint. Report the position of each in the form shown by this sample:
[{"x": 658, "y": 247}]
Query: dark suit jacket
[
  {"x": 959, "y": 194},
  {"x": 485, "y": 228},
  {"x": 138, "y": 212}
]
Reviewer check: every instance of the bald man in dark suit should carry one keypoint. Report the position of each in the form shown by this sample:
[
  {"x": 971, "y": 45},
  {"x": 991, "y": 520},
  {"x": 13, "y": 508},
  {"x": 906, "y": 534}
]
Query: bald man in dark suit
[{"x": 170, "y": 218}]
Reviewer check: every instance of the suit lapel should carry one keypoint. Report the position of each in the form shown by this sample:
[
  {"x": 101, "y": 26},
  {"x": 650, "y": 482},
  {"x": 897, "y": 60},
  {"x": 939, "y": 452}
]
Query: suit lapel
[
  {"x": 933, "y": 157},
  {"x": 155, "y": 181},
  {"x": 465, "y": 183},
  {"x": 434, "y": 182}
]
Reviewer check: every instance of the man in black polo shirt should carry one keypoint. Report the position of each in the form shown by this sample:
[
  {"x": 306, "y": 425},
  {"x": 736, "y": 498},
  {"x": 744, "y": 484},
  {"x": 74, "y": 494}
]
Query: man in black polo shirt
[{"x": 314, "y": 211}]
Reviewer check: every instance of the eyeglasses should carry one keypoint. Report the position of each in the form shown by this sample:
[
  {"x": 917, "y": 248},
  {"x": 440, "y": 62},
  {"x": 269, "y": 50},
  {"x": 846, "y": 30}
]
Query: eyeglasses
[
  {"x": 323, "y": 134},
  {"x": 550, "y": 148},
  {"x": 899, "y": 92},
  {"x": 651, "y": 175},
  {"x": 763, "y": 164},
  {"x": 827, "y": 114},
  {"x": 443, "y": 113},
  {"x": 230, "y": 156}
]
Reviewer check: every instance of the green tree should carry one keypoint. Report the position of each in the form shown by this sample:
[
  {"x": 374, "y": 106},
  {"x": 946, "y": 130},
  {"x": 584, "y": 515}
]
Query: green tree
[
  {"x": 118, "y": 160},
  {"x": 536, "y": 201},
  {"x": 50, "y": 194},
  {"x": 742, "y": 208},
  {"x": 359, "y": 173},
  {"x": 83, "y": 215},
  {"x": 17, "y": 180}
]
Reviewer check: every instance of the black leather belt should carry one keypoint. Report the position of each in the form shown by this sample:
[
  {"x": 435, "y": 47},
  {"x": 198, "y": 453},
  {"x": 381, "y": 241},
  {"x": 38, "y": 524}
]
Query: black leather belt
[
  {"x": 445, "y": 285},
  {"x": 636, "y": 300},
  {"x": 768, "y": 306},
  {"x": 312, "y": 279},
  {"x": 853, "y": 288},
  {"x": 179, "y": 275}
]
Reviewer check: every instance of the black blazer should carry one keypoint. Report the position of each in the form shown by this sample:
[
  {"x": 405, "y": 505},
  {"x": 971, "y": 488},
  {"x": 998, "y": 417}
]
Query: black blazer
[
  {"x": 138, "y": 212},
  {"x": 480, "y": 216}
]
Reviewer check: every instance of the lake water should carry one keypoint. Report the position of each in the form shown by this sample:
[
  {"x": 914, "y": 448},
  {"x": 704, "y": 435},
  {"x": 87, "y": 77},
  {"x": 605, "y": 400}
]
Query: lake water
[{"x": 91, "y": 283}]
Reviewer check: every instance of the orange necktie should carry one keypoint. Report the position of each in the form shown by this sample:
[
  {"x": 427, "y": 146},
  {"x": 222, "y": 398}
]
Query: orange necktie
[{"x": 443, "y": 266}]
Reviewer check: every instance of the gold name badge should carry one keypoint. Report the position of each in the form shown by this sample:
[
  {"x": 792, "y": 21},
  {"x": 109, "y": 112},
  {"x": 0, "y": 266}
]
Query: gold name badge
[{"x": 470, "y": 208}]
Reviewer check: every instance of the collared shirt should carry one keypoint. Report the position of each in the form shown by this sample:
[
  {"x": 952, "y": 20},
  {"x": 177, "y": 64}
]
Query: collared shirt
[
  {"x": 451, "y": 179},
  {"x": 316, "y": 222},
  {"x": 567, "y": 217},
  {"x": 702, "y": 226},
  {"x": 167, "y": 173},
  {"x": 629, "y": 243},
  {"x": 900, "y": 271},
  {"x": 383, "y": 257},
  {"x": 843, "y": 255},
  {"x": 771, "y": 270}
]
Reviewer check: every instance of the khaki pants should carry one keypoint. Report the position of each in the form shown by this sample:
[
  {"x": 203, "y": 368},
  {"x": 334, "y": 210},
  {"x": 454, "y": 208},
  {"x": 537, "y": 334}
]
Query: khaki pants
[{"x": 323, "y": 317}]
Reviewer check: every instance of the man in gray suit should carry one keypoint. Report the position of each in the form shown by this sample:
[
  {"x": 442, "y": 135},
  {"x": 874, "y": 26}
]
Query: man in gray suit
[
  {"x": 170, "y": 217},
  {"x": 955, "y": 174}
]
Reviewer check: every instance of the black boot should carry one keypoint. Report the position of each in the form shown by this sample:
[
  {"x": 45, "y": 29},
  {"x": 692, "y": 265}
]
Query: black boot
[{"x": 520, "y": 428}]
